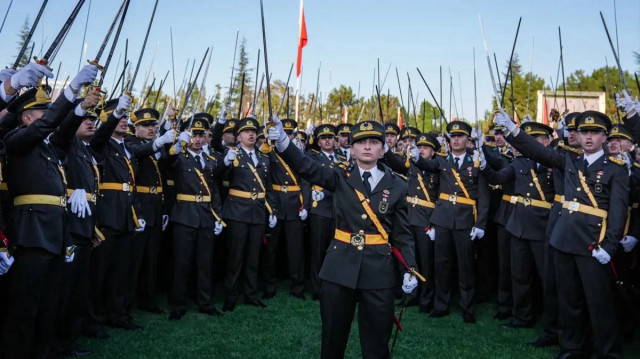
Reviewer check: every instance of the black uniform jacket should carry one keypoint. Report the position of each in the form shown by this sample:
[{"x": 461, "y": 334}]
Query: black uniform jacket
[
  {"x": 373, "y": 266},
  {"x": 607, "y": 179}
]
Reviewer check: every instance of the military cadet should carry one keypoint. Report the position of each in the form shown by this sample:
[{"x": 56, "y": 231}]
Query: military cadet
[
  {"x": 586, "y": 234},
  {"x": 391, "y": 131},
  {"x": 532, "y": 199},
  {"x": 459, "y": 218},
  {"x": 303, "y": 138},
  {"x": 40, "y": 242},
  {"x": 251, "y": 203},
  {"x": 423, "y": 190},
  {"x": 321, "y": 219},
  {"x": 291, "y": 212},
  {"x": 343, "y": 147},
  {"x": 147, "y": 150},
  {"x": 117, "y": 219},
  {"x": 370, "y": 215},
  {"x": 408, "y": 136},
  {"x": 83, "y": 177},
  {"x": 195, "y": 221},
  {"x": 631, "y": 108},
  {"x": 500, "y": 208}
]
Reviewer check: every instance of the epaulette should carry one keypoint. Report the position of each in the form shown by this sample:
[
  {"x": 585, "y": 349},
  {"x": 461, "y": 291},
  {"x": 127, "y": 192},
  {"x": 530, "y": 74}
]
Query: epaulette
[
  {"x": 577, "y": 151},
  {"x": 490, "y": 145},
  {"x": 315, "y": 151},
  {"x": 508, "y": 156},
  {"x": 636, "y": 165},
  {"x": 212, "y": 158},
  {"x": 442, "y": 154},
  {"x": 616, "y": 160},
  {"x": 399, "y": 175}
]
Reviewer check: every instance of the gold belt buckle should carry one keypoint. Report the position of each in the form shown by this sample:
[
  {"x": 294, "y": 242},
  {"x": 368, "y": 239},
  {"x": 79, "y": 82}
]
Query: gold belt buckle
[
  {"x": 153, "y": 190},
  {"x": 63, "y": 201},
  {"x": 414, "y": 200},
  {"x": 573, "y": 206},
  {"x": 254, "y": 195},
  {"x": 453, "y": 198},
  {"x": 526, "y": 202},
  {"x": 93, "y": 197},
  {"x": 285, "y": 188},
  {"x": 125, "y": 187},
  {"x": 357, "y": 240},
  {"x": 513, "y": 200},
  {"x": 199, "y": 198}
]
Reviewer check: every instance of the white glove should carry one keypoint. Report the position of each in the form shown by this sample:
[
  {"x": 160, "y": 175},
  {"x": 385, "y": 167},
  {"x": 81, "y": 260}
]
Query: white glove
[
  {"x": 415, "y": 154},
  {"x": 141, "y": 223},
  {"x": 628, "y": 243},
  {"x": 276, "y": 132},
  {"x": 86, "y": 76},
  {"x": 5, "y": 262},
  {"x": 230, "y": 156},
  {"x": 626, "y": 103},
  {"x": 308, "y": 131},
  {"x": 222, "y": 117},
  {"x": 6, "y": 73},
  {"x": 431, "y": 233},
  {"x": 317, "y": 195},
  {"x": 303, "y": 214},
  {"x": 164, "y": 139},
  {"x": 273, "y": 220},
  {"x": 502, "y": 119},
  {"x": 217, "y": 229},
  {"x": 79, "y": 203},
  {"x": 165, "y": 221},
  {"x": 480, "y": 155},
  {"x": 386, "y": 148},
  {"x": 124, "y": 105},
  {"x": 601, "y": 255},
  {"x": 409, "y": 283},
  {"x": 185, "y": 137},
  {"x": 68, "y": 258},
  {"x": 28, "y": 76},
  {"x": 476, "y": 233}
]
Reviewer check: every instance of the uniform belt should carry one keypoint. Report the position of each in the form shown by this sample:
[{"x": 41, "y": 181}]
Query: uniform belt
[
  {"x": 3, "y": 186},
  {"x": 170, "y": 183},
  {"x": 91, "y": 197},
  {"x": 558, "y": 198},
  {"x": 286, "y": 188},
  {"x": 583, "y": 208},
  {"x": 453, "y": 198},
  {"x": 507, "y": 198},
  {"x": 420, "y": 202},
  {"x": 225, "y": 183},
  {"x": 151, "y": 189},
  {"x": 359, "y": 239},
  {"x": 40, "y": 199},
  {"x": 635, "y": 205},
  {"x": 530, "y": 202},
  {"x": 249, "y": 195},
  {"x": 193, "y": 198},
  {"x": 114, "y": 186}
]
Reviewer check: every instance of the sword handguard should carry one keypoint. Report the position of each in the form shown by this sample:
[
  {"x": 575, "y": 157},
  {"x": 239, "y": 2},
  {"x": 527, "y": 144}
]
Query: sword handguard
[{"x": 96, "y": 64}]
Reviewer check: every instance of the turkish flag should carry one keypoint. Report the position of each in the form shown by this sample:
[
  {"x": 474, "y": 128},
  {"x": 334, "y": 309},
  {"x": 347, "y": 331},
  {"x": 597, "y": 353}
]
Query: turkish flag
[
  {"x": 302, "y": 41},
  {"x": 399, "y": 119}
]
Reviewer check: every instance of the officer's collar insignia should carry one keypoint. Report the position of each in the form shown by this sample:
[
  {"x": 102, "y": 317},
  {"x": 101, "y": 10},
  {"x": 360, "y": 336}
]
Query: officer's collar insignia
[{"x": 367, "y": 126}]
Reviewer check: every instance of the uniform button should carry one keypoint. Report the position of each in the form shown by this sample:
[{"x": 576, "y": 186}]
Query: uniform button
[
  {"x": 530, "y": 184},
  {"x": 528, "y": 195},
  {"x": 578, "y": 189},
  {"x": 364, "y": 216}
]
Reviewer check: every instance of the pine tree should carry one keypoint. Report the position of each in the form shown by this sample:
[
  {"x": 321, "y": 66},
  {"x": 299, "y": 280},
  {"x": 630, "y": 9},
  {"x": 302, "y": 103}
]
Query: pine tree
[
  {"x": 242, "y": 68},
  {"x": 22, "y": 38}
]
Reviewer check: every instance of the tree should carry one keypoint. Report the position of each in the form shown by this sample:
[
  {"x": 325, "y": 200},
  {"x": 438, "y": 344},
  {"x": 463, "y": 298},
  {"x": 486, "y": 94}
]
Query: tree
[
  {"x": 525, "y": 87},
  {"x": 22, "y": 38},
  {"x": 241, "y": 71}
]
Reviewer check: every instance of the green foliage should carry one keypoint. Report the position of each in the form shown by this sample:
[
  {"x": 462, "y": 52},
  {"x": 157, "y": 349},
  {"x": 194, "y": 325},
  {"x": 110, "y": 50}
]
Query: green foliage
[{"x": 22, "y": 37}]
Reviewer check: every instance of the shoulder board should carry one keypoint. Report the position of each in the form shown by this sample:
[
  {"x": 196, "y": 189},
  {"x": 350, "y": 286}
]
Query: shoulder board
[
  {"x": 399, "y": 175},
  {"x": 399, "y": 153},
  {"x": 442, "y": 154},
  {"x": 507, "y": 155},
  {"x": 315, "y": 151},
  {"x": 211, "y": 157},
  {"x": 636, "y": 165},
  {"x": 490, "y": 145},
  {"x": 616, "y": 160},
  {"x": 577, "y": 151}
]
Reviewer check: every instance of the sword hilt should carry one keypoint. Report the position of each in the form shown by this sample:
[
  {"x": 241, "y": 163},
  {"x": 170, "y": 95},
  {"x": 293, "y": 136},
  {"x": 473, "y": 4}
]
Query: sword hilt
[
  {"x": 43, "y": 62},
  {"x": 96, "y": 64}
]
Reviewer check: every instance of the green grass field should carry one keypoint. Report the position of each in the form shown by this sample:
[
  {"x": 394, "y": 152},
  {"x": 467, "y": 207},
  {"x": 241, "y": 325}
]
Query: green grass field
[{"x": 290, "y": 328}]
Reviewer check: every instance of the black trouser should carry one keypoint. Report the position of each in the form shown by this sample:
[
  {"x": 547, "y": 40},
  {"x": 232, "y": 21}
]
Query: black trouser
[
  {"x": 109, "y": 278},
  {"x": 321, "y": 232},
  {"x": 527, "y": 260},
  {"x": 375, "y": 320},
  {"x": 147, "y": 277},
  {"x": 243, "y": 243},
  {"x": 74, "y": 295},
  {"x": 458, "y": 243},
  {"x": 424, "y": 252},
  {"x": 189, "y": 242},
  {"x": 550, "y": 285},
  {"x": 585, "y": 296},
  {"x": 505, "y": 298},
  {"x": 295, "y": 255},
  {"x": 34, "y": 280},
  {"x": 486, "y": 266},
  {"x": 137, "y": 248}
]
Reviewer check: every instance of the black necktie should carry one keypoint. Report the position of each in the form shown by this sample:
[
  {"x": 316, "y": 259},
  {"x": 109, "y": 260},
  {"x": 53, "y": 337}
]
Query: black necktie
[
  {"x": 198, "y": 163},
  {"x": 457, "y": 161},
  {"x": 124, "y": 149},
  {"x": 331, "y": 158},
  {"x": 365, "y": 179},
  {"x": 251, "y": 158},
  {"x": 586, "y": 165}
]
